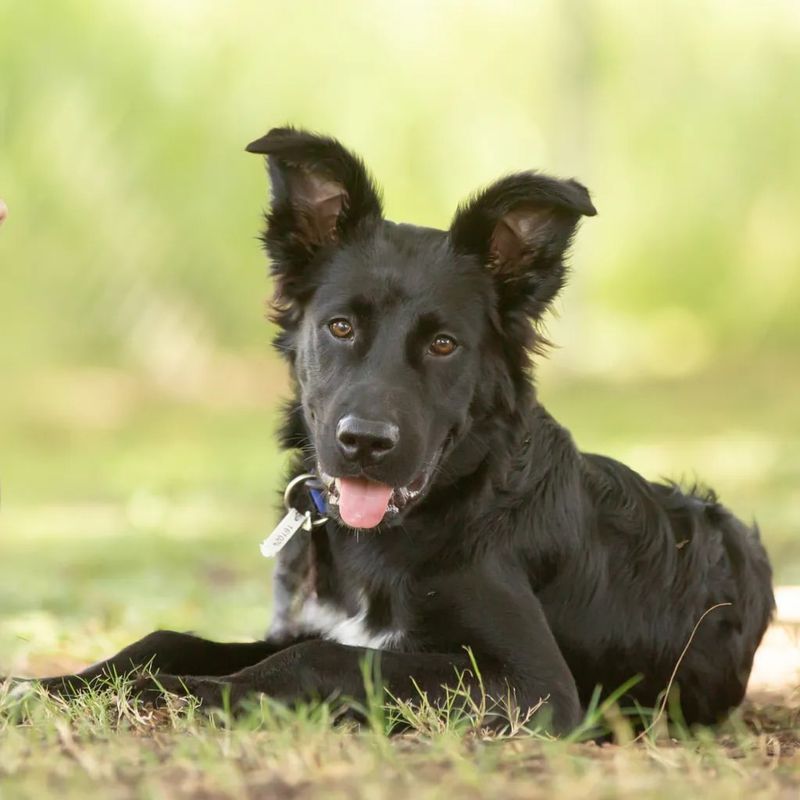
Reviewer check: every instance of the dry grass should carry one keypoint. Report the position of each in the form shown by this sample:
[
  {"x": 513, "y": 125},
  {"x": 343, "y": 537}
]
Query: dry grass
[{"x": 104, "y": 745}]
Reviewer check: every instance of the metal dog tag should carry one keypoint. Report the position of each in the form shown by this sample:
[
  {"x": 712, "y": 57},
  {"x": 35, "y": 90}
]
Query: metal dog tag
[{"x": 284, "y": 531}]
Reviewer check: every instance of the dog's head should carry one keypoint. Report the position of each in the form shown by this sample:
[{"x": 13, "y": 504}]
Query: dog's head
[{"x": 400, "y": 336}]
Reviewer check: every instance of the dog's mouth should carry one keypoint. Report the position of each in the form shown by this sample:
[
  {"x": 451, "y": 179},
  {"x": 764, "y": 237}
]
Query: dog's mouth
[{"x": 364, "y": 503}]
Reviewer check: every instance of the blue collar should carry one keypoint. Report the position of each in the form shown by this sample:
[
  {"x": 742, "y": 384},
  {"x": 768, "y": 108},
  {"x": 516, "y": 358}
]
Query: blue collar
[{"x": 318, "y": 498}]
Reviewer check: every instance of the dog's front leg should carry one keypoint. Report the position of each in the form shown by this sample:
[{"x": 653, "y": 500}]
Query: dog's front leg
[
  {"x": 321, "y": 670},
  {"x": 496, "y": 616},
  {"x": 168, "y": 652}
]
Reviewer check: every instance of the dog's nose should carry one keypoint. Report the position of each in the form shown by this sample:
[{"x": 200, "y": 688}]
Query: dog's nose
[{"x": 365, "y": 440}]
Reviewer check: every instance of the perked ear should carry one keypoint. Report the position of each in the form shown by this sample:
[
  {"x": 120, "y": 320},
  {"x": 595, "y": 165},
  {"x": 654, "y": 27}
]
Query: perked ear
[
  {"x": 521, "y": 227},
  {"x": 321, "y": 193}
]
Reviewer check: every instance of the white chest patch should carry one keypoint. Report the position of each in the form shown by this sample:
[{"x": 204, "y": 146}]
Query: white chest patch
[{"x": 335, "y": 625}]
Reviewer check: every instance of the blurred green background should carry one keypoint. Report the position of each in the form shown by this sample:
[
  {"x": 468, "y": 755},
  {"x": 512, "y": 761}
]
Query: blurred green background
[{"x": 137, "y": 389}]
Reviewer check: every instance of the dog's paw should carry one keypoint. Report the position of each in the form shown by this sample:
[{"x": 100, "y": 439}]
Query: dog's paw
[
  {"x": 156, "y": 690},
  {"x": 16, "y": 690}
]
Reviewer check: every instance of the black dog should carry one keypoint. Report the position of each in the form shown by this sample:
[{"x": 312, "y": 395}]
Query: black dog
[{"x": 414, "y": 405}]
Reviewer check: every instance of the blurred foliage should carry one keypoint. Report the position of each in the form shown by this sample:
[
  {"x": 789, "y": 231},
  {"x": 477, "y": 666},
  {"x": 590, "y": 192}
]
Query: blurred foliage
[
  {"x": 133, "y": 207},
  {"x": 136, "y": 384}
]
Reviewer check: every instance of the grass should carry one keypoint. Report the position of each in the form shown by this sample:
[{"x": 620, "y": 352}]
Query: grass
[
  {"x": 151, "y": 516},
  {"x": 105, "y": 745}
]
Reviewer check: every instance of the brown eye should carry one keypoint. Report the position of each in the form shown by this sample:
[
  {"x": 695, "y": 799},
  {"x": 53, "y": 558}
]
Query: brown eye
[
  {"x": 443, "y": 345},
  {"x": 341, "y": 328}
]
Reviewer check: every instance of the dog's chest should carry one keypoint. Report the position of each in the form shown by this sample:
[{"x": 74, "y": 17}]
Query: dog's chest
[
  {"x": 317, "y": 595},
  {"x": 332, "y": 622}
]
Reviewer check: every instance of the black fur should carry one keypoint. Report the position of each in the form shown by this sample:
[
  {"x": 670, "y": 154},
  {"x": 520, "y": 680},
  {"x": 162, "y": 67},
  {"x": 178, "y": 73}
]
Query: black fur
[{"x": 559, "y": 570}]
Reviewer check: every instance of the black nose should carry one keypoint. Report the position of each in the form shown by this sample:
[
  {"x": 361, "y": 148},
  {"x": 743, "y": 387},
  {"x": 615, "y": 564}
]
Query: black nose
[{"x": 365, "y": 440}]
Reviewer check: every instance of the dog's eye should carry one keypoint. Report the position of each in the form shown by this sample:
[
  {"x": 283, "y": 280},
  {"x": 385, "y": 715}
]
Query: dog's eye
[
  {"x": 341, "y": 328},
  {"x": 443, "y": 345}
]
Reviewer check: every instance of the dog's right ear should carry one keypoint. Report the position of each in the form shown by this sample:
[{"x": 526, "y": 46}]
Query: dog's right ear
[{"x": 321, "y": 193}]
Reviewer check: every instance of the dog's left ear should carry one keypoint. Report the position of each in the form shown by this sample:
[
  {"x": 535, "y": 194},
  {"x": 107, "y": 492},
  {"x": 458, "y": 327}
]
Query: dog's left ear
[{"x": 521, "y": 227}]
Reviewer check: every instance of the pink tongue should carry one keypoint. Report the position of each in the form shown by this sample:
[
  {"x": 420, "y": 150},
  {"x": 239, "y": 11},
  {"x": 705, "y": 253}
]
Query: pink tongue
[{"x": 362, "y": 503}]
